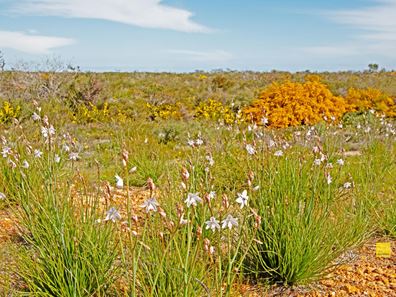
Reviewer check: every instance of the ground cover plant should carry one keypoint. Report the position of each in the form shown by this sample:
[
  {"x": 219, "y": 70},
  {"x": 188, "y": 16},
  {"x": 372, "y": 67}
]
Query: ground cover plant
[{"x": 191, "y": 184}]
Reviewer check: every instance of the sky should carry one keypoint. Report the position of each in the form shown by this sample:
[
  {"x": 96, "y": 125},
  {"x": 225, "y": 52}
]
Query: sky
[{"x": 187, "y": 35}]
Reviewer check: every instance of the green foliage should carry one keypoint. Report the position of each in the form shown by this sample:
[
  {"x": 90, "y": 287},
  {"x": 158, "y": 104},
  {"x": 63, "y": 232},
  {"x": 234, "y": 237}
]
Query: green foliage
[
  {"x": 306, "y": 223},
  {"x": 68, "y": 253}
]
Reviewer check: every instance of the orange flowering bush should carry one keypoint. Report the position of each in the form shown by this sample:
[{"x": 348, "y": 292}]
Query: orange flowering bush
[
  {"x": 294, "y": 103},
  {"x": 364, "y": 99}
]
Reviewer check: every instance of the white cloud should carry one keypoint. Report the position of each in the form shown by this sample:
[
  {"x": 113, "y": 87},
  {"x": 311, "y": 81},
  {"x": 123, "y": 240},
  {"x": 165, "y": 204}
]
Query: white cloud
[
  {"x": 376, "y": 32},
  {"x": 142, "y": 13},
  {"x": 207, "y": 56},
  {"x": 379, "y": 20},
  {"x": 33, "y": 44}
]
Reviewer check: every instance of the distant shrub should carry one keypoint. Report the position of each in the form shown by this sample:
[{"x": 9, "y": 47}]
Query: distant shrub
[
  {"x": 215, "y": 110},
  {"x": 8, "y": 112},
  {"x": 164, "y": 111},
  {"x": 84, "y": 89},
  {"x": 296, "y": 103},
  {"x": 91, "y": 113},
  {"x": 222, "y": 82},
  {"x": 365, "y": 99}
]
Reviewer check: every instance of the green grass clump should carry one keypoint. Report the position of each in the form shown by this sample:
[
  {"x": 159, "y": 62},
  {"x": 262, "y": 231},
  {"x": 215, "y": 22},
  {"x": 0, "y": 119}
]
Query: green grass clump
[
  {"x": 68, "y": 251},
  {"x": 306, "y": 222}
]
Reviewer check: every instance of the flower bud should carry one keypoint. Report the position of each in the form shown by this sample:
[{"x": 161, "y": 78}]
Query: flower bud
[
  {"x": 135, "y": 218},
  {"x": 161, "y": 212},
  {"x": 251, "y": 175},
  {"x": 45, "y": 121},
  {"x": 124, "y": 163},
  {"x": 206, "y": 244},
  {"x": 180, "y": 210},
  {"x": 225, "y": 201},
  {"x": 150, "y": 184},
  {"x": 125, "y": 156},
  {"x": 185, "y": 174},
  {"x": 183, "y": 186},
  {"x": 199, "y": 232}
]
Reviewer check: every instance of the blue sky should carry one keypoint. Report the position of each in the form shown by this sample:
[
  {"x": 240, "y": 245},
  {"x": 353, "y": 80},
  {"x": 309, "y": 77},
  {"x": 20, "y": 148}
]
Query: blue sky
[{"x": 185, "y": 35}]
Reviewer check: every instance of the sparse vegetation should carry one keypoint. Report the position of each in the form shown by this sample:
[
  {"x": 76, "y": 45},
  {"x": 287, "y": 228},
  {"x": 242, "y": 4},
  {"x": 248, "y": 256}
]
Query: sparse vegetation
[{"x": 174, "y": 185}]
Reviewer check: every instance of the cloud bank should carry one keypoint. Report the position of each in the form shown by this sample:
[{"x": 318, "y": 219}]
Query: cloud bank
[
  {"x": 376, "y": 31},
  {"x": 142, "y": 13},
  {"x": 378, "y": 22},
  {"x": 32, "y": 44}
]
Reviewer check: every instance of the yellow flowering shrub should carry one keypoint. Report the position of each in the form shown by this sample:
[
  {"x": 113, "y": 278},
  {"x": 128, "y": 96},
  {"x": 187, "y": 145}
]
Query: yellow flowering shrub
[
  {"x": 294, "y": 103},
  {"x": 364, "y": 99},
  {"x": 164, "y": 111},
  {"x": 9, "y": 112},
  {"x": 91, "y": 113},
  {"x": 215, "y": 110}
]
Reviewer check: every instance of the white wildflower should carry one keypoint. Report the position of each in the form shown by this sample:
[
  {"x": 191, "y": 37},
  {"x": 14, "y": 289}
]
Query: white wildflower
[
  {"x": 340, "y": 162},
  {"x": 191, "y": 142},
  {"x": 278, "y": 153},
  {"x": 25, "y": 164},
  {"x": 2, "y": 196},
  {"x": 51, "y": 130},
  {"x": 317, "y": 162},
  {"x": 150, "y": 204},
  {"x": 6, "y": 151},
  {"x": 242, "y": 198},
  {"x": 212, "y": 224},
  {"x": 199, "y": 141},
  {"x": 264, "y": 121},
  {"x": 36, "y": 117},
  {"x": 112, "y": 215},
  {"x": 183, "y": 221},
  {"x": 229, "y": 222},
  {"x": 66, "y": 148},
  {"x": 329, "y": 180},
  {"x": 192, "y": 199},
  {"x": 212, "y": 195},
  {"x": 119, "y": 182},
  {"x": 37, "y": 153},
  {"x": 57, "y": 159},
  {"x": 347, "y": 185},
  {"x": 46, "y": 132},
  {"x": 73, "y": 156},
  {"x": 210, "y": 160},
  {"x": 250, "y": 149}
]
